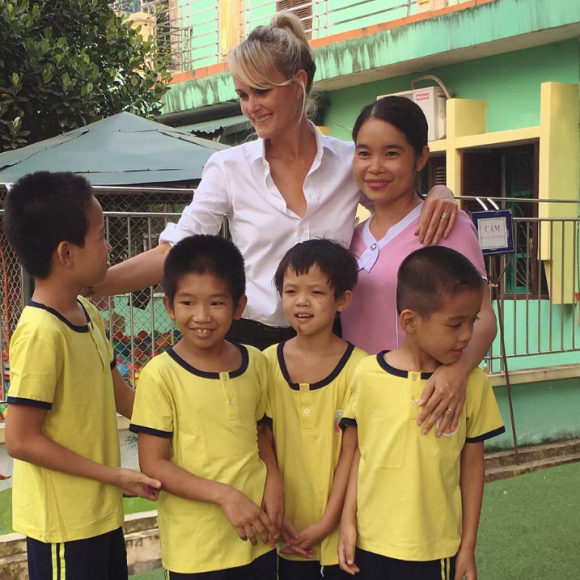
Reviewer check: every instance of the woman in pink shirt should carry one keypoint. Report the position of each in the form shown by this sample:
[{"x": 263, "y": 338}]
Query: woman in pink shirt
[{"x": 391, "y": 147}]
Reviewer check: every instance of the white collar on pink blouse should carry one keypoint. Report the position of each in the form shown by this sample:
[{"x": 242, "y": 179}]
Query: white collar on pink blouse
[{"x": 371, "y": 254}]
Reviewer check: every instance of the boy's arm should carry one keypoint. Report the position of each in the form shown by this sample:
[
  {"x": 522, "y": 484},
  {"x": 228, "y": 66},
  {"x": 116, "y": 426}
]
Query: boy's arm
[
  {"x": 273, "y": 498},
  {"x": 273, "y": 502},
  {"x": 124, "y": 395},
  {"x": 244, "y": 515},
  {"x": 316, "y": 532},
  {"x": 26, "y": 441},
  {"x": 347, "y": 538},
  {"x": 471, "y": 483}
]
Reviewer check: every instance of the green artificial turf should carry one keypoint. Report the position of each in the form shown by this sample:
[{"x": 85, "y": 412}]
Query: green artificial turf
[
  {"x": 530, "y": 528},
  {"x": 6, "y": 511}
]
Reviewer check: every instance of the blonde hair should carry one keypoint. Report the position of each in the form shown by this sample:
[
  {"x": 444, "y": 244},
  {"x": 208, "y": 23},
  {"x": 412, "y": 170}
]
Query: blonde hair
[{"x": 269, "y": 52}]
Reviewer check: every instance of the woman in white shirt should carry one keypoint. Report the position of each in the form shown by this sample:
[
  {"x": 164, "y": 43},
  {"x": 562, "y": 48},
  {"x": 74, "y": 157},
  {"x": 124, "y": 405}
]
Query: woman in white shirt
[{"x": 290, "y": 185}]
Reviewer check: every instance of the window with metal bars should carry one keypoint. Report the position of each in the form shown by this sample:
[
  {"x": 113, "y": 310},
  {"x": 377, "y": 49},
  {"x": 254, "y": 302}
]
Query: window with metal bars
[{"x": 510, "y": 173}]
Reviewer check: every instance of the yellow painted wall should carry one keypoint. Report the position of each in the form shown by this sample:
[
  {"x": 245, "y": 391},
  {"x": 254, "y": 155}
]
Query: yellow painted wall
[
  {"x": 230, "y": 14},
  {"x": 559, "y": 139},
  {"x": 559, "y": 179}
]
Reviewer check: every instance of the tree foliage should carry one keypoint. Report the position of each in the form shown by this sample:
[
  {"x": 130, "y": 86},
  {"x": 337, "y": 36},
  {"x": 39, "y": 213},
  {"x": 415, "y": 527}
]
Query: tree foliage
[{"x": 67, "y": 63}]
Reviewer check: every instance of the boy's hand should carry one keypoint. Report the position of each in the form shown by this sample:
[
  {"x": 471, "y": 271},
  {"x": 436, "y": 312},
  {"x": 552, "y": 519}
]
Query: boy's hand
[
  {"x": 291, "y": 538},
  {"x": 273, "y": 500},
  {"x": 137, "y": 484},
  {"x": 308, "y": 537},
  {"x": 346, "y": 545},
  {"x": 247, "y": 517},
  {"x": 465, "y": 566}
]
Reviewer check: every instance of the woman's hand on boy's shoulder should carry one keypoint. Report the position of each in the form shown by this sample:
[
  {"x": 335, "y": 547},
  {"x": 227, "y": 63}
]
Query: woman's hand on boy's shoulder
[{"x": 442, "y": 399}]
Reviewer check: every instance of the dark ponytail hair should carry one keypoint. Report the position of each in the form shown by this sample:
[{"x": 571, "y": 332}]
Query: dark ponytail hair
[{"x": 400, "y": 112}]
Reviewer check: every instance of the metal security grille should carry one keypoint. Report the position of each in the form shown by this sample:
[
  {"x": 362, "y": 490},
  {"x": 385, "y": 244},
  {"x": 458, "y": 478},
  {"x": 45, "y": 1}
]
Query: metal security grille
[
  {"x": 190, "y": 33},
  {"x": 540, "y": 329},
  {"x": 137, "y": 322}
]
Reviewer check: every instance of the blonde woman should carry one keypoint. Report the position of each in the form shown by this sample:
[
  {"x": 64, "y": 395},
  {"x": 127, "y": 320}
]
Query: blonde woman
[{"x": 290, "y": 185}]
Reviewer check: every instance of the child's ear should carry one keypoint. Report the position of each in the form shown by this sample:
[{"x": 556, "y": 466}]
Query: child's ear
[
  {"x": 408, "y": 321},
  {"x": 168, "y": 307},
  {"x": 64, "y": 253},
  {"x": 240, "y": 307},
  {"x": 343, "y": 301}
]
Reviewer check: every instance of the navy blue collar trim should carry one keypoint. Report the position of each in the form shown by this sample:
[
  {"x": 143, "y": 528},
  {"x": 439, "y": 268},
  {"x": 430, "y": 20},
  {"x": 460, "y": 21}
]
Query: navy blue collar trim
[
  {"x": 397, "y": 372},
  {"x": 212, "y": 375},
  {"x": 75, "y": 327},
  {"x": 313, "y": 386}
]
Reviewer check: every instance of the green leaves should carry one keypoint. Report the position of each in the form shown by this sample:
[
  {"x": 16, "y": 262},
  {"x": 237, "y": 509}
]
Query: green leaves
[{"x": 66, "y": 63}]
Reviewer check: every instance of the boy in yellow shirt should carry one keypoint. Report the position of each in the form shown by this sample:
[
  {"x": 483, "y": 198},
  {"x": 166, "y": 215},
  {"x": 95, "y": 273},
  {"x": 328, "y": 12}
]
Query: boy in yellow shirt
[
  {"x": 308, "y": 390},
  {"x": 61, "y": 426},
  {"x": 414, "y": 500},
  {"x": 196, "y": 413}
]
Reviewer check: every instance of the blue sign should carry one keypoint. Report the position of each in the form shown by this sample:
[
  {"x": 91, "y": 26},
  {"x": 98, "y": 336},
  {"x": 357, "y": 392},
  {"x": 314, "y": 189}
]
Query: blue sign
[{"x": 495, "y": 230}]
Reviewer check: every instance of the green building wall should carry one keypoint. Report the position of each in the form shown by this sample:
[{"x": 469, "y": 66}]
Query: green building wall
[
  {"x": 510, "y": 83},
  {"x": 544, "y": 412}
]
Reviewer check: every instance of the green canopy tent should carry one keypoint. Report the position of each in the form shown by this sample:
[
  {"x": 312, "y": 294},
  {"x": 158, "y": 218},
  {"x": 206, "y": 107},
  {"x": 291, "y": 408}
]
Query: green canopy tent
[
  {"x": 136, "y": 165},
  {"x": 121, "y": 150}
]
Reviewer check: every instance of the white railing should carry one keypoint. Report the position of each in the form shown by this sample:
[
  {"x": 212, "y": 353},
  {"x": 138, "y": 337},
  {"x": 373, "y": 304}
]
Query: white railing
[
  {"x": 191, "y": 33},
  {"x": 535, "y": 293}
]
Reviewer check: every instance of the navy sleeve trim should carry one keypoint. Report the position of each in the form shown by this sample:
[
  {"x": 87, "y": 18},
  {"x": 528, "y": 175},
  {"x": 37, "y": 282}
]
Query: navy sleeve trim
[
  {"x": 148, "y": 431},
  {"x": 29, "y": 403},
  {"x": 346, "y": 422},
  {"x": 113, "y": 363},
  {"x": 485, "y": 436},
  {"x": 265, "y": 420}
]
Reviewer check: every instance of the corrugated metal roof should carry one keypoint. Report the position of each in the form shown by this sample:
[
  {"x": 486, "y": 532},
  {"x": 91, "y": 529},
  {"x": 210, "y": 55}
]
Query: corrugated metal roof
[{"x": 231, "y": 124}]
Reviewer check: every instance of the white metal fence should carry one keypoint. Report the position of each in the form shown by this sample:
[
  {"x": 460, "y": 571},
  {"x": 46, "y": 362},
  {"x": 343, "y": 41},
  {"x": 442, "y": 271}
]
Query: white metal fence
[
  {"x": 535, "y": 292},
  {"x": 190, "y": 31}
]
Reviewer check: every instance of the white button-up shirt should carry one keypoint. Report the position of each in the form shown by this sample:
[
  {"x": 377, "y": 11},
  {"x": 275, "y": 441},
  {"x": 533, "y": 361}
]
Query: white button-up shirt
[{"x": 237, "y": 183}]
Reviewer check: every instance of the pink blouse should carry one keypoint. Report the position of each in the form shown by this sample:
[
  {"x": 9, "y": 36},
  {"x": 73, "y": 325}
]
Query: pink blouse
[{"x": 371, "y": 321}]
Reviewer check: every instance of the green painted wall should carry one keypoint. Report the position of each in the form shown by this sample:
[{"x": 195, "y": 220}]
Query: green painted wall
[
  {"x": 510, "y": 83},
  {"x": 496, "y": 22},
  {"x": 199, "y": 35},
  {"x": 343, "y": 15},
  {"x": 548, "y": 411},
  {"x": 558, "y": 330}
]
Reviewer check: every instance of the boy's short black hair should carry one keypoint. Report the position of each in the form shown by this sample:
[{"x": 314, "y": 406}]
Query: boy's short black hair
[
  {"x": 334, "y": 261},
  {"x": 203, "y": 254},
  {"x": 429, "y": 276},
  {"x": 43, "y": 209}
]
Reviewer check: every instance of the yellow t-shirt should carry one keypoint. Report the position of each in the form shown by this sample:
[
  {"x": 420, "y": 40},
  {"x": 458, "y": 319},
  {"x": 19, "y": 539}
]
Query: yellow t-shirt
[
  {"x": 305, "y": 422},
  {"x": 409, "y": 500},
  {"x": 65, "y": 369},
  {"x": 211, "y": 421}
]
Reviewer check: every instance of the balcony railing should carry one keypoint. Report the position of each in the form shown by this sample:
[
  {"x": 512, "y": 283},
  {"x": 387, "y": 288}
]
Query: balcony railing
[{"x": 196, "y": 33}]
